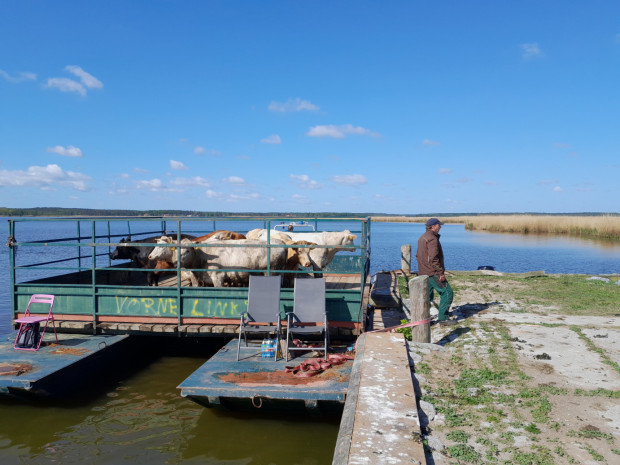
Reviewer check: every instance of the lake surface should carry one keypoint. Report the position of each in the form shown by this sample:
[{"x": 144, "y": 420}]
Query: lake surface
[{"x": 135, "y": 415}]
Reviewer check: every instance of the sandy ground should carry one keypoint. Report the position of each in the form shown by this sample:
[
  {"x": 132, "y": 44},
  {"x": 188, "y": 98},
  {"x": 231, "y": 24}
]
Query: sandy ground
[{"x": 553, "y": 356}]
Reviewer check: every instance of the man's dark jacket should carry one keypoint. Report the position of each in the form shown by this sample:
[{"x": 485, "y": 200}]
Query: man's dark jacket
[{"x": 430, "y": 254}]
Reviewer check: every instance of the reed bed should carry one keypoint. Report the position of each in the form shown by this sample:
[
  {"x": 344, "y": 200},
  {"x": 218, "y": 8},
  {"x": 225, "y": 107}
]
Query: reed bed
[{"x": 604, "y": 226}]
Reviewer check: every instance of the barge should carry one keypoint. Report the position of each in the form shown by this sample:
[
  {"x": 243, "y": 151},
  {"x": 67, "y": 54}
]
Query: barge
[
  {"x": 70, "y": 258},
  {"x": 102, "y": 303}
]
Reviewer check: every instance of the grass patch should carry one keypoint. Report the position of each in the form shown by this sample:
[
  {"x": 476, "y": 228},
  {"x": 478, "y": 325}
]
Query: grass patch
[
  {"x": 567, "y": 294},
  {"x": 464, "y": 453},
  {"x": 458, "y": 436}
]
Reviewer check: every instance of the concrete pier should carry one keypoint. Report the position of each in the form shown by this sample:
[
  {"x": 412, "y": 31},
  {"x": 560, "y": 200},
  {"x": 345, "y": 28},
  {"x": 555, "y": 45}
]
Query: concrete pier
[{"x": 380, "y": 423}]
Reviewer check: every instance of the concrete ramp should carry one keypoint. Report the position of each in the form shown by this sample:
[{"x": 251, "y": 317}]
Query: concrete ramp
[{"x": 380, "y": 422}]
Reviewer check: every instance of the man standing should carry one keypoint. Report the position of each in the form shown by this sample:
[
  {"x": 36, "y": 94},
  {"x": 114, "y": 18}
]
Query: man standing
[{"x": 430, "y": 263}]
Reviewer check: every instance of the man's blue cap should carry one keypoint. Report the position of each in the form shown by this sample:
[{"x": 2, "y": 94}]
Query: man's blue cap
[{"x": 433, "y": 221}]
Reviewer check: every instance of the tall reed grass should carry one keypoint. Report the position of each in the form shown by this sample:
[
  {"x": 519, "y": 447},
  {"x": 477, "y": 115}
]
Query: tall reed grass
[
  {"x": 607, "y": 227},
  {"x": 604, "y": 226}
]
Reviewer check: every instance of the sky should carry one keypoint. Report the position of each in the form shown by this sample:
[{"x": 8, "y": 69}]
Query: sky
[{"x": 398, "y": 107}]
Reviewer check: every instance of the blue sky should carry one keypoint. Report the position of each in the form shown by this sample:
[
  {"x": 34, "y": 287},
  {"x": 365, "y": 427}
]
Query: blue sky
[{"x": 343, "y": 106}]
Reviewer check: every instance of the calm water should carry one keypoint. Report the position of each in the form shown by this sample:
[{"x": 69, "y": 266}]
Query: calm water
[{"x": 135, "y": 415}]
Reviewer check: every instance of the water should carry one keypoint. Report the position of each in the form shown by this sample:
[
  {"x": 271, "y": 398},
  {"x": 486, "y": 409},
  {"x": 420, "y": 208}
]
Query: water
[
  {"x": 511, "y": 253},
  {"x": 135, "y": 415}
]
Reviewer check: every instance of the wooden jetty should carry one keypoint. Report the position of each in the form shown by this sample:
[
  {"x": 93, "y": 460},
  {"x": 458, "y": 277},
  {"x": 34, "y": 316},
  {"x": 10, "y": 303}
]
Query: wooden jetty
[
  {"x": 56, "y": 368},
  {"x": 263, "y": 382}
]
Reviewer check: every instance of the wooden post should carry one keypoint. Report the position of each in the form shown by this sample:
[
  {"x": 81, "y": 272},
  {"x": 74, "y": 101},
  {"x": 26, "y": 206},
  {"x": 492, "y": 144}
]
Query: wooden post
[
  {"x": 420, "y": 308},
  {"x": 405, "y": 257}
]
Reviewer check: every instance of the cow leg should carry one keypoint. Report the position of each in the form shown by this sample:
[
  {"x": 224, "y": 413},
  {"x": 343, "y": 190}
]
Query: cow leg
[{"x": 316, "y": 267}]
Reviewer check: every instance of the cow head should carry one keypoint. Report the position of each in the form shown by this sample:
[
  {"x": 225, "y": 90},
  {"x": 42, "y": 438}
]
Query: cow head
[
  {"x": 162, "y": 253},
  {"x": 303, "y": 253}
]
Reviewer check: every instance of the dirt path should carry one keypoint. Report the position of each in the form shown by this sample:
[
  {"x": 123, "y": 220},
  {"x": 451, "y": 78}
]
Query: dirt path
[{"x": 512, "y": 385}]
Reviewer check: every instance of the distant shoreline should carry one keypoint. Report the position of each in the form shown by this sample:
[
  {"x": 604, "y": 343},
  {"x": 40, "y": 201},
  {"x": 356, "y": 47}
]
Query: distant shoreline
[{"x": 599, "y": 227}]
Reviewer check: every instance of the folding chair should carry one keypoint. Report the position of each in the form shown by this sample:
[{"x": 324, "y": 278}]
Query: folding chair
[
  {"x": 263, "y": 311},
  {"x": 28, "y": 336},
  {"x": 308, "y": 312}
]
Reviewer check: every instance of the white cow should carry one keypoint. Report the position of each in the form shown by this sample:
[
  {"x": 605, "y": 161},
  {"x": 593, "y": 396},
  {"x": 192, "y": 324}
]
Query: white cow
[{"x": 321, "y": 257}]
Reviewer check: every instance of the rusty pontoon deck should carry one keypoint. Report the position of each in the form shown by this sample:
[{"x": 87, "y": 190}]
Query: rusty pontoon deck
[{"x": 260, "y": 382}]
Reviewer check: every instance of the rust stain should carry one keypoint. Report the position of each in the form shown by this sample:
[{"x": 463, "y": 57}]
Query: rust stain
[
  {"x": 69, "y": 351},
  {"x": 14, "y": 369},
  {"x": 281, "y": 378}
]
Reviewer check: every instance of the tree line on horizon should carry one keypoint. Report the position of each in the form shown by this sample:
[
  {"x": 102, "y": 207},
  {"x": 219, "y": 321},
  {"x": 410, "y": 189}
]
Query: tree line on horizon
[{"x": 92, "y": 212}]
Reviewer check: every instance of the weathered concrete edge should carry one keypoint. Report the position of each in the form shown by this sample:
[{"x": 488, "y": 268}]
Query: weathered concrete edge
[{"x": 345, "y": 433}]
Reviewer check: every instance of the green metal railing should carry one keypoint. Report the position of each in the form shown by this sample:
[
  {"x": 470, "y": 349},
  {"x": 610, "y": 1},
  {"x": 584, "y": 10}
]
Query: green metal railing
[{"x": 32, "y": 239}]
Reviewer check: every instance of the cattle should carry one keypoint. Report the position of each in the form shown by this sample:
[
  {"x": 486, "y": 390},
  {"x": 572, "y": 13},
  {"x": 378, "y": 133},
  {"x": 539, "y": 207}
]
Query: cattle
[
  {"x": 139, "y": 256},
  {"x": 222, "y": 235},
  {"x": 296, "y": 257},
  {"x": 222, "y": 255},
  {"x": 261, "y": 235},
  {"x": 320, "y": 257}
]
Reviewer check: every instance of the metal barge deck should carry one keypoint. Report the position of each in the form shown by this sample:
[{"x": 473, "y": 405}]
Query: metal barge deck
[
  {"x": 262, "y": 382},
  {"x": 56, "y": 368}
]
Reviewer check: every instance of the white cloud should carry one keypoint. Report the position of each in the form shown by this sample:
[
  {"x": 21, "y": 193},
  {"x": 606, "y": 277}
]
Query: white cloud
[
  {"x": 293, "y": 105},
  {"x": 44, "y": 177},
  {"x": 214, "y": 195},
  {"x": 66, "y": 85},
  {"x": 339, "y": 132},
  {"x": 69, "y": 151},
  {"x": 235, "y": 197},
  {"x": 464, "y": 180},
  {"x": 491, "y": 183},
  {"x": 274, "y": 139},
  {"x": 430, "y": 142},
  {"x": 557, "y": 189},
  {"x": 230, "y": 197},
  {"x": 177, "y": 165},
  {"x": 154, "y": 185},
  {"x": 21, "y": 77},
  {"x": 87, "y": 79},
  {"x": 234, "y": 180},
  {"x": 198, "y": 150},
  {"x": 125, "y": 176},
  {"x": 69, "y": 85},
  {"x": 304, "y": 181},
  {"x": 444, "y": 170},
  {"x": 349, "y": 179},
  {"x": 195, "y": 181},
  {"x": 141, "y": 170},
  {"x": 531, "y": 51}
]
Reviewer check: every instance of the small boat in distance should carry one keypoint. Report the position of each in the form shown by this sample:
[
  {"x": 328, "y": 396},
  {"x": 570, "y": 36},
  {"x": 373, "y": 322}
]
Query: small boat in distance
[{"x": 297, "y": 226}]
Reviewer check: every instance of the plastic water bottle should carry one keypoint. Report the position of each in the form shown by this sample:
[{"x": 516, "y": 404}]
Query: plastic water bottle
[
  {"x": 271, "y": 348},
  {"x": 263, "y": 348}
]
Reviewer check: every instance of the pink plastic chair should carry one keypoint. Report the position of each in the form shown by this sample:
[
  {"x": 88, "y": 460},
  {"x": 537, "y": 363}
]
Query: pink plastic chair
[{"x": 26, "y": 322}]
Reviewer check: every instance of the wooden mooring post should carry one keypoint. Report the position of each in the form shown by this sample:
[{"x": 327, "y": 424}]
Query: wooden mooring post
[
  {"x": 405, "y": 257},
  {"x": 420, "y": 308}
]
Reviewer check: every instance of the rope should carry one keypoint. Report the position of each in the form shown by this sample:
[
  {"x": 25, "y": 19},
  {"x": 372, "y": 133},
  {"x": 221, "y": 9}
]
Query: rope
[{"x": 392, "y": 328}]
